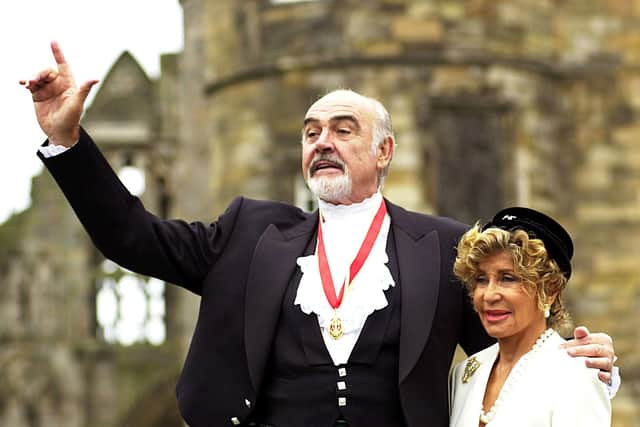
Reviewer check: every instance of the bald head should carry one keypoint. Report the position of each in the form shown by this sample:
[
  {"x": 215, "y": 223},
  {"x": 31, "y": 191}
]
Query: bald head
[{"x": 379, "y": 114}]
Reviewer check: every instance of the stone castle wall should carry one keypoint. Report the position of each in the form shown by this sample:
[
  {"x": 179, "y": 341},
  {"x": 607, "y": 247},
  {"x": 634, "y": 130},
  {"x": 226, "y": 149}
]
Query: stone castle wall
[{"x": 494, "y": 103}]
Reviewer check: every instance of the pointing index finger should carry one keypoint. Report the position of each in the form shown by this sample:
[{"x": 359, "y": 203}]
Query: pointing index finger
[{"x": 63, "y": 67}]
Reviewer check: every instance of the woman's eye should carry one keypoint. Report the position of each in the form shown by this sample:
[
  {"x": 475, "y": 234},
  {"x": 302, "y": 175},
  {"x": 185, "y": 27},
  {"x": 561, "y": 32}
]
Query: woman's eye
[
  {"x": 510, "y": 279},
  {"x": 481, "y": 280}
]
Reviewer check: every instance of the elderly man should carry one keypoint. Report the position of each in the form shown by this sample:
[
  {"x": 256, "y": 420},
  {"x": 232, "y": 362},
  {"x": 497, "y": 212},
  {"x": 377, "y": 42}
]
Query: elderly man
[{"x": 345, "y": 316}]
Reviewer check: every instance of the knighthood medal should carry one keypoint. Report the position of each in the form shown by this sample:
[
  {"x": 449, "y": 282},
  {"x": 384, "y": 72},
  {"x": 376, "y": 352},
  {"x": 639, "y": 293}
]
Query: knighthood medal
[{"x": 336, "y": 327}]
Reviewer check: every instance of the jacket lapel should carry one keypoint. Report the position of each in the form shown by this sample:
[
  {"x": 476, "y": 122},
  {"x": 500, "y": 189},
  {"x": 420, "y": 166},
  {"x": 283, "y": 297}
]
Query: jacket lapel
[
  {"x": 418, "y": 252},
  {"x": 469, "y": 396},
  {"x": 273, "y": 263}
]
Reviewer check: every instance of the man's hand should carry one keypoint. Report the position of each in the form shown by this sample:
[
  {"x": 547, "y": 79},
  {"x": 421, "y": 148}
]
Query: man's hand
[
  {"x": 58, "y": 101},
  {"x": 596, "y": 347}
]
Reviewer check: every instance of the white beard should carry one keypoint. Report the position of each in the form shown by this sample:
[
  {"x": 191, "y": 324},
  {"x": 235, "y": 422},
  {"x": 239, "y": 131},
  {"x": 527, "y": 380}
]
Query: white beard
[{"x": 331, "y": 189}]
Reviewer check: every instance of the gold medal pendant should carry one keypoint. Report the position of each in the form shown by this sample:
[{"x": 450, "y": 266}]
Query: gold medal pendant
[{"x": 335, "y": 328}]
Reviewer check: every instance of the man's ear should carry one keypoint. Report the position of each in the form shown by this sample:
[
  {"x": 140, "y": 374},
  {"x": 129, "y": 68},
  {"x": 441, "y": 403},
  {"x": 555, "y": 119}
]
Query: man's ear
[{"x": 385, "y": 152}]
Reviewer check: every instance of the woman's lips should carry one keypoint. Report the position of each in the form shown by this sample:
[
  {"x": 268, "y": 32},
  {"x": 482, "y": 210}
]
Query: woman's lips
[{"x": 496, "y": 315}]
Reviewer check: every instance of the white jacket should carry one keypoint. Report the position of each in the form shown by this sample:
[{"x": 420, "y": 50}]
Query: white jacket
[{"x": 550, "y": 389}]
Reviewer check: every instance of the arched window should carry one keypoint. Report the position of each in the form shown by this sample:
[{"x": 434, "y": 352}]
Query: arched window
[{"x": 130, "y": 308}]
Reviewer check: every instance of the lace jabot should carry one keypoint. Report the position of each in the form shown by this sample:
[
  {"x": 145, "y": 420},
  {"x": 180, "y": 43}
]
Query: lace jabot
[{"x": 344, "y": 228}]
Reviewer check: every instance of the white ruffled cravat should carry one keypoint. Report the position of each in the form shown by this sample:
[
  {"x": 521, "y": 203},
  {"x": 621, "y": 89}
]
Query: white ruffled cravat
[{"x": 344, "y": 229}]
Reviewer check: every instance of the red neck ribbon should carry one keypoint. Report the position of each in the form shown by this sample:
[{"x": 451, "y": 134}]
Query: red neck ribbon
[{"x": 356, "y": 264}]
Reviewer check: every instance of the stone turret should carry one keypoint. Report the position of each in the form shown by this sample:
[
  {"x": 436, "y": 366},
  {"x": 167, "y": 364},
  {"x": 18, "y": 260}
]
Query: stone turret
[{"x": 494, "y": 103}]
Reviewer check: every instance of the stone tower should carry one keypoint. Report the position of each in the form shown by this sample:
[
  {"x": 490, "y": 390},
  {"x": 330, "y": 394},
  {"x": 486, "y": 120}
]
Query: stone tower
[{"x": 494, "y": 103}]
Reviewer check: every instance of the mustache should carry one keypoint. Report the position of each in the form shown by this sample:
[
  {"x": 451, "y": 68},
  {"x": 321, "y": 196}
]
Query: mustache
[{"x": 326, "y": 158}]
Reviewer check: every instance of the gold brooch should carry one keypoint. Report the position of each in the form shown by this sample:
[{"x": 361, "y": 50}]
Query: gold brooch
[{"x": 470, "y": 368}]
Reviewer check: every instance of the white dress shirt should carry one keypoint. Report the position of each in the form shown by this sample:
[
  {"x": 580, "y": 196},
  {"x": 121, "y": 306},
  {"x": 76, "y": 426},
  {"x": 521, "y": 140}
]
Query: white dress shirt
[
  {"x": 344, "y": 229},
  {"x": 52, "y": 150}
]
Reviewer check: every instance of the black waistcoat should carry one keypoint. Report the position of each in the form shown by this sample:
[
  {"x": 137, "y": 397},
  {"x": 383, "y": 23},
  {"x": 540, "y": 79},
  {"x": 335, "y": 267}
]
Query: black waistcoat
[{"x": 303, "y": 387}]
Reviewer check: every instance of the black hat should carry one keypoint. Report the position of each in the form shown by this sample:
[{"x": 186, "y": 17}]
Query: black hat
[{"x": 556, "y": 240}]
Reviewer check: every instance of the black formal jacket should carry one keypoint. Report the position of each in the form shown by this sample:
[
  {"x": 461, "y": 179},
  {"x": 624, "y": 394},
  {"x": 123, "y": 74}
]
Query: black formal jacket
[{"x": 241, "y": 264}]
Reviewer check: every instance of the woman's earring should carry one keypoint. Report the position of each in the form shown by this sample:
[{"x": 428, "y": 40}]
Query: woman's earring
[{"x": 547, "y": 311}]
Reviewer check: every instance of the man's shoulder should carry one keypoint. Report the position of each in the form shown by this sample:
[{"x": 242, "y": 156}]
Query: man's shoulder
[
  {"x": 271, "y": 211},
  {"x": 426, "y": 221},
  {"x": 251, "y": 203}
]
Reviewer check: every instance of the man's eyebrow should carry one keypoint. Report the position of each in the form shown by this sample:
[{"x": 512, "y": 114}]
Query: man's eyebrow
[
  {"x": 348, "y": 117},
  {"x": 309, "y": 120}
]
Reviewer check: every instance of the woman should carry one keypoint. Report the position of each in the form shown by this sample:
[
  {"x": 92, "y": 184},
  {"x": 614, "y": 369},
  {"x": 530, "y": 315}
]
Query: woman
[{"x": 515, "y": 269}]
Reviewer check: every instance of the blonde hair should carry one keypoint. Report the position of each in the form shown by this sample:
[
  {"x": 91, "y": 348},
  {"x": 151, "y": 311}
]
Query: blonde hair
[{"x": 538, "y": 272}]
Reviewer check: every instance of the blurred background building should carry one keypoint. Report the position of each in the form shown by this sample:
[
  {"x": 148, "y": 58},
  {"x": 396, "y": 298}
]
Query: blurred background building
[{"x": 494, "y": 102}]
